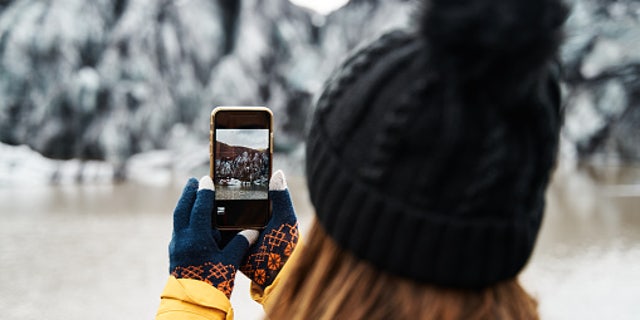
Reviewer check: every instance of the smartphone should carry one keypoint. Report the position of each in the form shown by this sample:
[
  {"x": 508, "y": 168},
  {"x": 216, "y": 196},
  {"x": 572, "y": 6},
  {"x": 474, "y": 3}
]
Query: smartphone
[{"x": 240, "y": 148}]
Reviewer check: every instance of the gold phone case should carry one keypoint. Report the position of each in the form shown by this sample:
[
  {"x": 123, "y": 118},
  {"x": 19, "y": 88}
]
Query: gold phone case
[{"x": 211, "y": 146}]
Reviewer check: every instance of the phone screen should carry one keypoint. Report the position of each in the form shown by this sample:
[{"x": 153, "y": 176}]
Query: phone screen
[{"x": 241, "y": 167}]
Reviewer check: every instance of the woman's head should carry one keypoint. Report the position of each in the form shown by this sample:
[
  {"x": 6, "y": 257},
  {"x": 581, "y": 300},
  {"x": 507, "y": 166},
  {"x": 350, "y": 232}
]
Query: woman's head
[{"x": 435, "y": 172}]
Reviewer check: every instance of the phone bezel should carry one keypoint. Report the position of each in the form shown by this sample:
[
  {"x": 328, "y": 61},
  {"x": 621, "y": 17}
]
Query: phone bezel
[{"x": 212, "y": 130}]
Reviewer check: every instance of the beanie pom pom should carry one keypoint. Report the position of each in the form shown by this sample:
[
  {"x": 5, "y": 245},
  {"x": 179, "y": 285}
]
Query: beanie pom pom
[{"x": 474, "y": 38}]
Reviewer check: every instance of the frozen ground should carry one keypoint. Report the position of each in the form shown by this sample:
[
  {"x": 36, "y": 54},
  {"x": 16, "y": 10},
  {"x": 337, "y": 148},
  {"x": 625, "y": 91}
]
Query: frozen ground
[{"x": 100, "y": 251}]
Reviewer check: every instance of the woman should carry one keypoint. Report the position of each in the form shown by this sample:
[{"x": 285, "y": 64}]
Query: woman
[{"x": 427, "y": 163}]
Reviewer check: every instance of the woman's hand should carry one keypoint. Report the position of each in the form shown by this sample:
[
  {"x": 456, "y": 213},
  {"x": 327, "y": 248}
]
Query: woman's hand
[
  {"x": 194, "y": 251},
  {"x": 277, "y": 240}
]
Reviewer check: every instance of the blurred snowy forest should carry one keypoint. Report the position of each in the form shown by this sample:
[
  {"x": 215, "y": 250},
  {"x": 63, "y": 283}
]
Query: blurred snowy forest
[{"x": 111, "y": 88}]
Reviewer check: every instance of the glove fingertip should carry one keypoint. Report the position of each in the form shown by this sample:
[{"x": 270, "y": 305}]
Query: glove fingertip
[
  {"x": 278, "y": 181},
  {"x": 238, "y": 247},
  {"x": 250, "y": 235},
  {"x": 184, "y": 205},
  {"x": 192, "y": 181},
  {"x": 206, "y": 184}
]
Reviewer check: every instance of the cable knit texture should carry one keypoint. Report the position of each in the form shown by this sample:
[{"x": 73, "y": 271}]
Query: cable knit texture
[{"x": 429, "y": 153}]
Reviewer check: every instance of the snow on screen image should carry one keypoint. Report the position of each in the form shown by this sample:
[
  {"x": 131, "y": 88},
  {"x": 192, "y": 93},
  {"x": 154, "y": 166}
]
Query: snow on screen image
[{"x": 241, "y": 164}]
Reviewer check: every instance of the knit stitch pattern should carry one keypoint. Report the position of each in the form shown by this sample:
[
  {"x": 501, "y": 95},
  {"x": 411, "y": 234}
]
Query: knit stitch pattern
[
  {"x": 276, "y": 243},
  {"x": 269, "y": 256},
  {"x": 432, "y": 175},
  {"x": 195, "y": 251},
  {"x": 216, "y": 274}
]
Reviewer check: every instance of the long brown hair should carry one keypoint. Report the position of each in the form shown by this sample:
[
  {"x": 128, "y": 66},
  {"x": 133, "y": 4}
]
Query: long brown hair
[{"x": 328, "y": 283}]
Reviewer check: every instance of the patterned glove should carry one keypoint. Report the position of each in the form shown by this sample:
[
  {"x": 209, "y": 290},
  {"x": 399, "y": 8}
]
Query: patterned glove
[
  {"x": 194, "y": 252},
  {"x": 277, "y": 240}
]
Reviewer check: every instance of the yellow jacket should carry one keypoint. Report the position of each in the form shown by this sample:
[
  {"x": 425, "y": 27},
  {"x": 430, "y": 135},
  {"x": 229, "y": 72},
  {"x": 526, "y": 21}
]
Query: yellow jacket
[{"x": 188, "y": 299}]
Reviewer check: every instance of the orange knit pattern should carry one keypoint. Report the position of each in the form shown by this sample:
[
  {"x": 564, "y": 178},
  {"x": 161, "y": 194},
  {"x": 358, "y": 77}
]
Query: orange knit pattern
[
  {"x": 263, "y": 265},
  {"x": 216, "y": 274}
]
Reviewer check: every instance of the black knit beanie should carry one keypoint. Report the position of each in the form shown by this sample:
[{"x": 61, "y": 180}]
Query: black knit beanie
[{"x": 431, "y": 149}]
